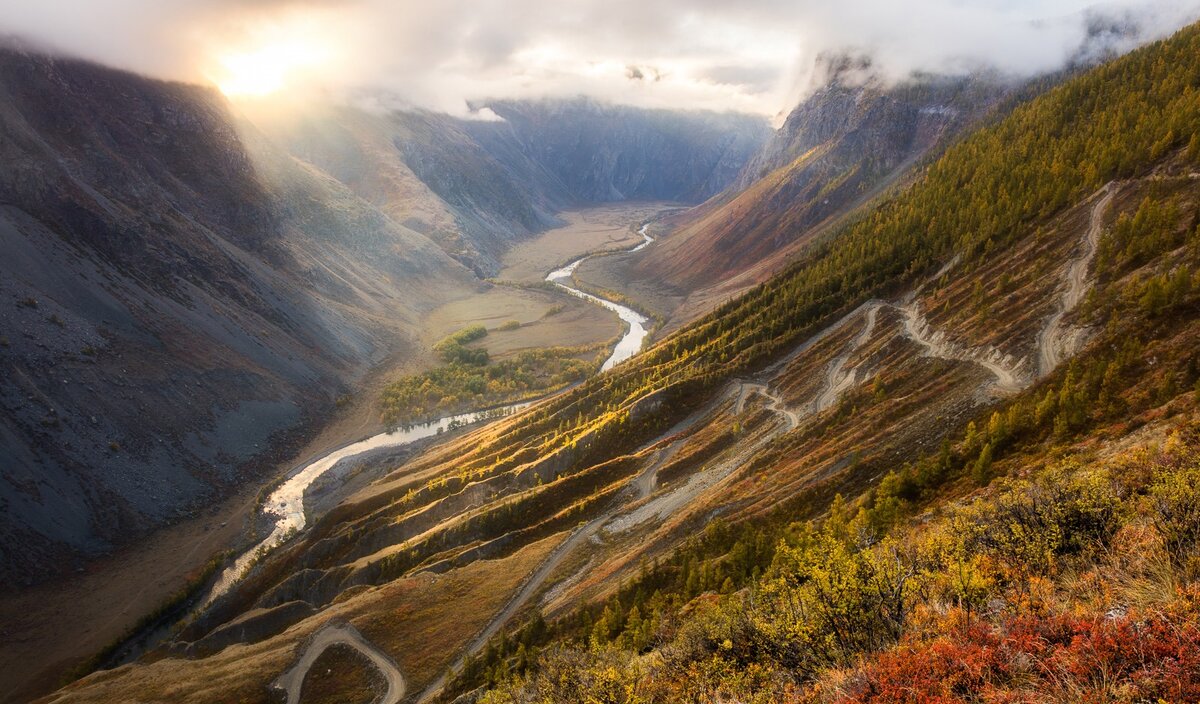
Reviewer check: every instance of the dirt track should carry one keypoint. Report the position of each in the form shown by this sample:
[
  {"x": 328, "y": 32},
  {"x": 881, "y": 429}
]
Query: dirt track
[
  {"x": 292, "y": 681},
  {"x": 838, "y": 380},
  {"x": 1009, "y": 378},
  {"x": 1054, "y": 342}
]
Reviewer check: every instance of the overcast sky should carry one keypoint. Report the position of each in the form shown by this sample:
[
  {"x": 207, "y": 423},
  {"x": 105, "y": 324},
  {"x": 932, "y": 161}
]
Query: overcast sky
[{"x": 748, "y": 55}]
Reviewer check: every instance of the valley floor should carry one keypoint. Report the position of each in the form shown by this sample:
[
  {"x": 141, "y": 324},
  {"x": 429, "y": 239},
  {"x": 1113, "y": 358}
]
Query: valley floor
[{"x": 602, "y": 228}]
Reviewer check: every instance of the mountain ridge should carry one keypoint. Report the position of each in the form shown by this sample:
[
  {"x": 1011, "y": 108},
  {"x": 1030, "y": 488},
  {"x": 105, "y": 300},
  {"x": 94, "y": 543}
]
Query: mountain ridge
[{"x": 843, "y": 146}]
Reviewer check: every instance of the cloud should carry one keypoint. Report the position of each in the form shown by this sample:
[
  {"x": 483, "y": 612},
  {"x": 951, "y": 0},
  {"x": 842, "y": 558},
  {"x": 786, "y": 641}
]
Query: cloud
[
  {"x": 753, "y": 79},
  {"x": 754, "y": 55}
]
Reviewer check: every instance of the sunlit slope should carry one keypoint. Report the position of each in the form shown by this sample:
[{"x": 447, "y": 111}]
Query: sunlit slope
[{"x": 949, "y": 389}]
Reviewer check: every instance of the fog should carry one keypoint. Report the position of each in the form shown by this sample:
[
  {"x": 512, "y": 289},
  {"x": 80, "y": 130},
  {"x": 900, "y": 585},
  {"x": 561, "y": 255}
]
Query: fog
[{"x": 755, "y": 55}]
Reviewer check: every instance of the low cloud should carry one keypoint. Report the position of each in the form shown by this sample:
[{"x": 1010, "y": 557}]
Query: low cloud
[
  {"x": 751, "y": 79},
  {"x": 755, "y": 56}
]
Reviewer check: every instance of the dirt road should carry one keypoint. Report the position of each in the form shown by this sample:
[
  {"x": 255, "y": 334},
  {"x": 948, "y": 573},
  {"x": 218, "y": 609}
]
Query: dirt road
[
  {"x": 292, "y": 681},
  {"x": 838, "y": 380},
  {"x": 1009, "y": 378},
  {"x": 1055, "y": 342}
]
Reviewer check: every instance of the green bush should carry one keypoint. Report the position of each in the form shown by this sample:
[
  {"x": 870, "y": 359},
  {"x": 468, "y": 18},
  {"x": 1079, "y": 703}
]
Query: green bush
[
  {"x": 453, "y": 348},
  {"x": 1175, "y": 511},
  {"x": 1029, "y": 526},
  {"x": 468, "y": 382}
]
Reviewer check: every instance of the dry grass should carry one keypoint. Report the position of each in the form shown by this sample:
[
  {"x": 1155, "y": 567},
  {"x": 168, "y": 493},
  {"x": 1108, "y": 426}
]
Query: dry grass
[{"x": 341, "y": 675}]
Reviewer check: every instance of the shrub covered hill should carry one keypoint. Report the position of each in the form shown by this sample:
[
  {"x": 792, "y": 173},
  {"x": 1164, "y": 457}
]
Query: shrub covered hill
[{"x": 950, "y": 454}]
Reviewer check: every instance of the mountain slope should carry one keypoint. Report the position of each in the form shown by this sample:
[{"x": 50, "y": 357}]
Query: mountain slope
[
  {"x": 599, "y": 153},
  {"x": 964, "y": 592},
  {"x": 157, "y": 259},
  {"x": 423, "y": 171},
  {"x": 840, "y": 148}
]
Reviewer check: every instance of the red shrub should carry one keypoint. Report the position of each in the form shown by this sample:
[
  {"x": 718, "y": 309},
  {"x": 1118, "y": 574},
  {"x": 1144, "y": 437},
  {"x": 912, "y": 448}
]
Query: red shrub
[{"x": 1041, "y": 659}]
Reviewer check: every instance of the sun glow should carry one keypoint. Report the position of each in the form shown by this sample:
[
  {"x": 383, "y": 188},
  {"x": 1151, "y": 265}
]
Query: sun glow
[
  {"x": 268, "y": 69},
  {"x": 285, "y": 54}
]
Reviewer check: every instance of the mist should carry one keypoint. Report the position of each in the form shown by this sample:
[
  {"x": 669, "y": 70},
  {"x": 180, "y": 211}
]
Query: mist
[{"x": 756, "y": 56}]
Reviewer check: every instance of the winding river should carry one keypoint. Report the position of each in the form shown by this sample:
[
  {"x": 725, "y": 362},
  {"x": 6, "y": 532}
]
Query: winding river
[
  {"x": 631, "y": 342},
  {"x": 285, "y": 506}
]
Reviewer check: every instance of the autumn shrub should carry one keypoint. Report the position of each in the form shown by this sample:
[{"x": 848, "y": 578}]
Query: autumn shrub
[
  {"x": 1030, "y": 525},
  {"x": 604, "y": 676},
  {"x": 1046, "y": 658},
  {"x": 826, "y": 600},
  {"x": 1174, "y": 508}
]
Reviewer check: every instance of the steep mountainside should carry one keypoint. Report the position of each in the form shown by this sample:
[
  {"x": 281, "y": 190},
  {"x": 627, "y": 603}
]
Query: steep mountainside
[
  {"x": 176, "y": 299},
  {"x": 841, "y": 147},
  {"x": 425, "y": 171},
  {"x": 1030, "y": 295}
]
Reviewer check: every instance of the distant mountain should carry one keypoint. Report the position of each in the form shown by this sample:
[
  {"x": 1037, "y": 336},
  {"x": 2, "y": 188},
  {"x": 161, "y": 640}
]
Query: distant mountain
[
  {"x": 477, "y": 186},
  {"x": 600, "y": 153},
  {"x": 177, "y": 298}
]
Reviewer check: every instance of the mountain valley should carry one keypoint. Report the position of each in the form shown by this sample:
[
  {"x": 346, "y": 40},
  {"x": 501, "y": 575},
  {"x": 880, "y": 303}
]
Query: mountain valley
[{"x": 919, "y": 388}]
